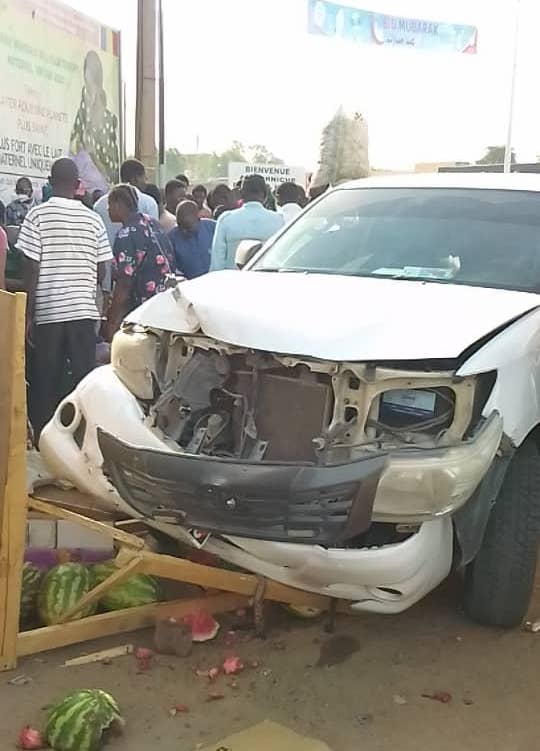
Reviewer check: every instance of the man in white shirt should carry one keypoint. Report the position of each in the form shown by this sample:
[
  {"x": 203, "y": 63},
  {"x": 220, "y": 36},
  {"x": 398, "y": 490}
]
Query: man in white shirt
[
  {"x": 287, "y": 198},
  {"x": 175, "y": 193},
  {"x": 65, "y": 249}
]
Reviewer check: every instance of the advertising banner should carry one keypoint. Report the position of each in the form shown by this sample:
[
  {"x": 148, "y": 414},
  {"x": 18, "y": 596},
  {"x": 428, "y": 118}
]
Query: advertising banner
[
  {"x": 343, "y": 22},
  {"x": 274, "y": 174},
  {"x": 59, "y": 93}
]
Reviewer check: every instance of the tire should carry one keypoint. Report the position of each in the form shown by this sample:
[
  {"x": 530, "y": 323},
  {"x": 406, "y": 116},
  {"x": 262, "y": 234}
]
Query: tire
[{"x": 498, "y": 583}]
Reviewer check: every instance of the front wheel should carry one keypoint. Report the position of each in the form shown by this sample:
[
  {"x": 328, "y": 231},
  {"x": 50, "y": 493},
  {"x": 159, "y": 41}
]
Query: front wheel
[{"x": 498, "y": 583}]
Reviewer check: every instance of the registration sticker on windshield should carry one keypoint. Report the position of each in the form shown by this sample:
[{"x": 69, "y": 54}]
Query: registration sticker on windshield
[{"x": 426, "y": 272}]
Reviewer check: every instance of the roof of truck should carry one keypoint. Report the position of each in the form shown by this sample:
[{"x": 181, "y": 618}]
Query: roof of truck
[{"x": 471, "y": 180}]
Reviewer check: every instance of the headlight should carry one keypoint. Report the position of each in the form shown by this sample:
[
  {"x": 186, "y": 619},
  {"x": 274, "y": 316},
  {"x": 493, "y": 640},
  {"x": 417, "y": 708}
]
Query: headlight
[{"x": 418, "y": 484}]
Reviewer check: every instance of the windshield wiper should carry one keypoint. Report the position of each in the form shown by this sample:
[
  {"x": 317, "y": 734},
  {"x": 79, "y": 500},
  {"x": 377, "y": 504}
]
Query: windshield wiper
[
  {"x": 292, "y": 270},
  {"x": 279, "y": 270},
  {"x": 407, "y": 277},
  {"x": 275, "y": 270}
]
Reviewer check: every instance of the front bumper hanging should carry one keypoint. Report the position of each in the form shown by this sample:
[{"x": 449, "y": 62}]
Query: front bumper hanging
[{"x": 283, "y": 502}]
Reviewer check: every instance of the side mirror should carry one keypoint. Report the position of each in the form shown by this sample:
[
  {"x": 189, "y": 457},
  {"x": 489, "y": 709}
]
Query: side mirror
[{"x": 245, "y": 251}]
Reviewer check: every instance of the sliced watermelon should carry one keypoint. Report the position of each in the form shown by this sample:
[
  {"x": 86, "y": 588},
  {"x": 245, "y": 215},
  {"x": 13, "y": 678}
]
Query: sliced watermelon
[{"x": 203, "y": 626}]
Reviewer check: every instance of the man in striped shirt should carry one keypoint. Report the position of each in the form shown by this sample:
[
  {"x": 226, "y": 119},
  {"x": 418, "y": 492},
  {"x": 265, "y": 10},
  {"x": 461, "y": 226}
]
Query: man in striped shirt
[{"x": 65, "y": 246}]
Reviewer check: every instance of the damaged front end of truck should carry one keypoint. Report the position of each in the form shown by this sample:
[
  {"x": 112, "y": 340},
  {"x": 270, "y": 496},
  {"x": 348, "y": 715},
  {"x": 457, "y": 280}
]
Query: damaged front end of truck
[{"x": 284, "y": 448}]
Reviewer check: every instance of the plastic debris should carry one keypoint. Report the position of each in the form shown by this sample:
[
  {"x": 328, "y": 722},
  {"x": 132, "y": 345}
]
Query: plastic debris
[
  {"x": 20, "y": 680},
  {"x": 441, "y": 696},
  {"x": 399, "y": 700},
  {"x": 532, "y": 626},
  {"x": 211, "y": 673},
  {"x": 215, "y": 696},
  {"x": 178, "y": 709},
  {"x": 364, "y": 719}
]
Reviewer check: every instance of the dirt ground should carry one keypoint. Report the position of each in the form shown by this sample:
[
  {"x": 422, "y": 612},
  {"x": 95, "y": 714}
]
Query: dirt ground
[{"x": 370, "y": 701}]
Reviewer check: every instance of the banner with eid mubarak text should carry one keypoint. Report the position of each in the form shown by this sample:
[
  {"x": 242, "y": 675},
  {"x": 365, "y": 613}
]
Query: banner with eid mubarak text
[{"x": 342, "y": 22}]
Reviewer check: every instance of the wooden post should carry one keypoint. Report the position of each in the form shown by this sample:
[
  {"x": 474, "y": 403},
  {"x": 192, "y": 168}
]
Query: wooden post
[{"x": 13, "y": 498}]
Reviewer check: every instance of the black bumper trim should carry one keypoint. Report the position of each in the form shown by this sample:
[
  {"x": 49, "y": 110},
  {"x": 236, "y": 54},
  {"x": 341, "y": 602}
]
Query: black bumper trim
[{"x": 283, "y": 502}]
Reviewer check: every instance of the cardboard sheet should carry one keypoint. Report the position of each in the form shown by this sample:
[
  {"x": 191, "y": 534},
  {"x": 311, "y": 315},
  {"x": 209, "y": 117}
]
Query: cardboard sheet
[{"x": 267, "y": 736}]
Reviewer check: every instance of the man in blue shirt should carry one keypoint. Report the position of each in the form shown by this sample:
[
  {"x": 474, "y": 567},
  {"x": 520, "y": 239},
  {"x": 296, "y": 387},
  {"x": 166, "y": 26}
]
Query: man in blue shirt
[
  {"x": 250, "y": 222},
  {"x": 191, "y": 240}
]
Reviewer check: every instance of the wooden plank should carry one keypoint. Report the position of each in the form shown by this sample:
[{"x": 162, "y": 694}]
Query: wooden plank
[
  {"x": 74, "y": 500},
  {"x": 13, "y": 476},
  {"x": 209, "y": 577},
  {"x": 90, "y": 597},
  {"x": 103, "y": 654},
  {"x": 121, "y": 621},
  {"x": 57, "y": 512},
  {"x": 7, "y": 313}
]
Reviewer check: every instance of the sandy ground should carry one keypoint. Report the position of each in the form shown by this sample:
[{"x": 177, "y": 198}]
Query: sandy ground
[{"x": 372, "y": 700}]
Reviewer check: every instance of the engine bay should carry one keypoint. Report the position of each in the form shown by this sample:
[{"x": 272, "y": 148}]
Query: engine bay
[{"x": 207, "y": 397}]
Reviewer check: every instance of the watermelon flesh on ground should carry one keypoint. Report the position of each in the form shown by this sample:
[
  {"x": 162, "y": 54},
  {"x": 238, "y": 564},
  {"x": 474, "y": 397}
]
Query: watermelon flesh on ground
[
  {"x": 139, "y": 589},
  {"x": 62, "y": 588},
  {"x": 30, "y": 586},
  {"x": 204, "y": 626},
  {"x": 78, "y": 723}
]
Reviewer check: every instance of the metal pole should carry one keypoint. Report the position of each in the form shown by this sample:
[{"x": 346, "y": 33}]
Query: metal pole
[
  {"x": 161, "y": 107},
  {"x": 145, "y": 105},
  {"x": 508, "y": 146}
]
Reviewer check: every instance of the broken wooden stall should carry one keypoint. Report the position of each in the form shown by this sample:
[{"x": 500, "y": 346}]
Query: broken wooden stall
[{"x": 222, "y": 590}]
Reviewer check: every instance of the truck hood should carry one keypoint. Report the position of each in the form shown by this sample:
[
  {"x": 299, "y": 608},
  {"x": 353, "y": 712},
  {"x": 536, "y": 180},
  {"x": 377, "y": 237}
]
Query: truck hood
[{"x": 336, "y": 318}]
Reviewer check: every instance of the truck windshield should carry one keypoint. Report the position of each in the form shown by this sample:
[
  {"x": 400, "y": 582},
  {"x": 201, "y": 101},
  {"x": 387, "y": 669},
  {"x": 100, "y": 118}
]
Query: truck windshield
[{"x": 487, "y": 238}]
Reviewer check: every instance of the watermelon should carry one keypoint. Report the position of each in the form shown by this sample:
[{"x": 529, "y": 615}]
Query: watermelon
[
  {"x": 30, "y": 586},
  {"x": 204, "y": 626},
  {"x": 139, "y": 589},
  {"x": 62, "y": 587},
  {"x": 79, "y": 722}
]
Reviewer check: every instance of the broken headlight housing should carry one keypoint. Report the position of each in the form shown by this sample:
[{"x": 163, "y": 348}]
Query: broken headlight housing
[{"x": 422, "y": 483}]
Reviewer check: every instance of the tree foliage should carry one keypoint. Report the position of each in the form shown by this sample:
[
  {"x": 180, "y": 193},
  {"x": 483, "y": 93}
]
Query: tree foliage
[
  {"x": 495, "y": 155},
  {"x": 204, "y": 167}
]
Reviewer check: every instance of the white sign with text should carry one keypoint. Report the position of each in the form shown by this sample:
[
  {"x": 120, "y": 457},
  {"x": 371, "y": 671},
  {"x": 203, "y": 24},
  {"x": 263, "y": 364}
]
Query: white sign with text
[{"x": 274, "y": 174}]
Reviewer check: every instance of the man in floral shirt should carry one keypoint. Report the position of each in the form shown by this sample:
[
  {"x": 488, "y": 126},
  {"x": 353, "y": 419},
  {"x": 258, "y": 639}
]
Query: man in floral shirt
[{"x": 142, "y": 254}]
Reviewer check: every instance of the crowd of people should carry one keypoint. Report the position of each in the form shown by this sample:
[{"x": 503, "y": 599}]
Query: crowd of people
[{"x": 85, "y": 261}]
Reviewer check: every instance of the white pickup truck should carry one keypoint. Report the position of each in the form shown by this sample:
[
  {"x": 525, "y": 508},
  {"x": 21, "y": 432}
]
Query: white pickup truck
[{"x": 355, "y": 413}]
